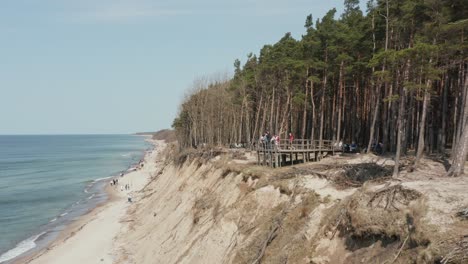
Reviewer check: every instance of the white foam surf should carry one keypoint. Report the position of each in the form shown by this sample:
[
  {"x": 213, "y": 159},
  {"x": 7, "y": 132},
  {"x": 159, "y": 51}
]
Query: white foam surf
[
  {"x": 101, "y": 179},
  {"x": 20, "y": 248}
]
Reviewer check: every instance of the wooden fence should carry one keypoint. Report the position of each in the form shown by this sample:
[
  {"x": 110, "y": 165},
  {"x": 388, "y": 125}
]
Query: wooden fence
[{"x": 278, "y": 154}]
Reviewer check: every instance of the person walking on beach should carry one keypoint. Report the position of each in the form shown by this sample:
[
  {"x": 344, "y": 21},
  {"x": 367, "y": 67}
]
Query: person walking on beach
[{"x": 121, "y": 188}]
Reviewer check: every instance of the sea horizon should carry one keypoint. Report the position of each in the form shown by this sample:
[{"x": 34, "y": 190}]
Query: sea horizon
[
  {"x": 75, "y": 134},
  {"x": 49, "y": 180}
]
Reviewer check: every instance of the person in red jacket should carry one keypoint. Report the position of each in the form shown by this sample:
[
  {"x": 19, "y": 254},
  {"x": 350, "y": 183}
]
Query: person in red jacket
[{"x": 291, "y": 139}]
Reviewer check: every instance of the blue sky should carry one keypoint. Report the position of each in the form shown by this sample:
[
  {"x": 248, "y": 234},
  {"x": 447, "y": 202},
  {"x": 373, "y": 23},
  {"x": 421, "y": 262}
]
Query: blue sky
[{"x": 122, "y": 66}]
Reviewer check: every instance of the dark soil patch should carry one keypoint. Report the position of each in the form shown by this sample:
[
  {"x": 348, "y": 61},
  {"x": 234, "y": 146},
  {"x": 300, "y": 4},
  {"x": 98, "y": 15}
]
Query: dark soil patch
[
  {"x": 356, "y": 175},
  {"x": 366, "y": 171}
]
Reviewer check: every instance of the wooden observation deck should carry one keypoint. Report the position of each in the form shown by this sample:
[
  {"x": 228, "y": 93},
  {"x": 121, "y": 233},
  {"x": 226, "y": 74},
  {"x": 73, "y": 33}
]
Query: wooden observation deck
[{"x": 285, "y": 152}]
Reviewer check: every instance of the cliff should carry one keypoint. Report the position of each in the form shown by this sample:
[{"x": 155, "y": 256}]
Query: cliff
[{"x": 217, "y": 207}]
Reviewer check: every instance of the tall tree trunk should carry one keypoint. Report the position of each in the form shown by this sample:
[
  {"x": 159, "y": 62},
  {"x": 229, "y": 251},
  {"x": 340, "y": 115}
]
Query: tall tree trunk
[
  {"x": 459, "y": 159},
  {"x": 313, "y": 109},
  {"x": 455, "y": 116},
  {"x": 239, "y": 135},
  {"x": 255, "y": 134},
  {"x": 401, "y": 113},
  {"x": 304, "y": 112},
  {"x": 322, "y": 108},
  {"x": 262, "y": 126},
  {"x": 322, "y": 105},
  {"x": 277, "y": 115},
  {"x": 459, "y": 123},
  {"x": 458, "y": 164},
  {"x": 427, "y": 99},
  {"x": 443, "y": 133},
  {"x": 271, "y": 111},
  {"x": 374, "y": 118},
  {"x": 284, "y": 119},
  {"x": 377, "y": 96},
  {"x": 248, "y": 125},
  {"x": 340, "y": 101}
]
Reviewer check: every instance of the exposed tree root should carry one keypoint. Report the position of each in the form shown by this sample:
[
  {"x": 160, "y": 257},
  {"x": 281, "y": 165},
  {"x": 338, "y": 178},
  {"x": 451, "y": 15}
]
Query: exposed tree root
[
  {"x": 271, "y": 235},
  {"x": 393, "y": 197},
  {"x": 401, "y": 248},
  {"x": 458, "y": 252}
]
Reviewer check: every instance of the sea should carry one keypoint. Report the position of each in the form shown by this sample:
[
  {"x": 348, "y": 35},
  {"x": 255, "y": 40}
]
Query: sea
[{"x": 48, "y": 181}]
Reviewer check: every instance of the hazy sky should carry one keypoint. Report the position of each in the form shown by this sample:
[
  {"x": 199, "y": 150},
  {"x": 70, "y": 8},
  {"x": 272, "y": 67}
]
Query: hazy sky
[{"x": 121, "y": 66}]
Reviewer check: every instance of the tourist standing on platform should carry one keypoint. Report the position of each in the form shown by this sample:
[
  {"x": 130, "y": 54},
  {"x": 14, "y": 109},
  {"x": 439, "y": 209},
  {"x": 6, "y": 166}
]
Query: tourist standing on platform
[
  {"x": 273, "y": 140},
  {"x": 262, "y": 140},
  {"x": 268, "y": 139}
]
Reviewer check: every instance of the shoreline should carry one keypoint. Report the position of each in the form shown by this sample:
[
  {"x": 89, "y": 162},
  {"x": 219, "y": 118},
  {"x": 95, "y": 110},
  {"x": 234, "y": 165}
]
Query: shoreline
[{"x": 113, "y": 197}]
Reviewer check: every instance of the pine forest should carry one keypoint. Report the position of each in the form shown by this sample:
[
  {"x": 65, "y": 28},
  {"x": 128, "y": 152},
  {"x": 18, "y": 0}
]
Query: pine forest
[{"x": 395, "y": 74}]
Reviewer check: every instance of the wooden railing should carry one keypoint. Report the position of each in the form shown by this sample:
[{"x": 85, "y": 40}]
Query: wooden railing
[{"x": 297, "y": 144}]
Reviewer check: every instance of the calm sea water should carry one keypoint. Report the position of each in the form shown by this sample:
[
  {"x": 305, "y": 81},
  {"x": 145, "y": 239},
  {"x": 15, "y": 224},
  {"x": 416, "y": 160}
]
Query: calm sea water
[{"x": 47, "y": 181}]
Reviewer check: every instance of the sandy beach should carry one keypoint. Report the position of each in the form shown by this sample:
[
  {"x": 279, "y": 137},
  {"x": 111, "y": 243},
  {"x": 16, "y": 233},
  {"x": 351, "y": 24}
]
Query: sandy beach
[
  {"x": 221, "y": 209},
  {"x": 91, "y": 239}
]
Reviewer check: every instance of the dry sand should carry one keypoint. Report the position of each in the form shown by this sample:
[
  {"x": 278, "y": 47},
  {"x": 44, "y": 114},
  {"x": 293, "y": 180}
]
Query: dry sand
[{"x": 91, "y": 239}]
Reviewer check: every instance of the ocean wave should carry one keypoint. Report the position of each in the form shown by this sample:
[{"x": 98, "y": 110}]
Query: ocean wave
[
  {"x": 20, "y": 248},
  {"x": 102, "y": 179},
  {"x": 64, "y": 214},
  {"x": 91, "y": 197},
  {"x": 53, "y": 220}
]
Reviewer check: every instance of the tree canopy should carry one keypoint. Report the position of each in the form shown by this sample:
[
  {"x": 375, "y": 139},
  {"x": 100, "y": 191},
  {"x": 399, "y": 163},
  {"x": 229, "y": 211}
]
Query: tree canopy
[{"x": 394, "y": 75}]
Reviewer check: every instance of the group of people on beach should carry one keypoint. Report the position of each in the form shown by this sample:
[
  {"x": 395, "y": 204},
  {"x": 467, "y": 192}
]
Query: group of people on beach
[
  {"x": 114, "y": 182},
  {"x": 126, "y": 186}
]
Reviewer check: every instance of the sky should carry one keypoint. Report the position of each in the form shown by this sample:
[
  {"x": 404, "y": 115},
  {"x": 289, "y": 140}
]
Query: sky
[{"x": 124, "y": 66}]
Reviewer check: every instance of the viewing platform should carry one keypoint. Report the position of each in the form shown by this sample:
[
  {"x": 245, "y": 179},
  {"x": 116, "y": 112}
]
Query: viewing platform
[{"x": 284, "y": 152}]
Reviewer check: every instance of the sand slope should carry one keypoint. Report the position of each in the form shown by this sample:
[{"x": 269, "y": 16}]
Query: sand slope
[
  {"x": 217, "y": 210},
  {"x": 207, "y": 209}
]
